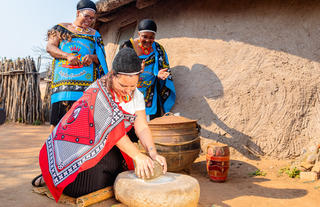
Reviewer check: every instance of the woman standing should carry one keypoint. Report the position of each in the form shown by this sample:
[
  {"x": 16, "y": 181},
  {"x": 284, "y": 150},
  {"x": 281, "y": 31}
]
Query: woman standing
[
  {"x": 89, "y": 147},
  {"x": 156, "y": 81},
  {"x": 79, "y": 59}
]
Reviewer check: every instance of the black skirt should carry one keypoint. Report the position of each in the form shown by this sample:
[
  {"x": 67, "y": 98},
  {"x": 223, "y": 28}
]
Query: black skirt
[
  {"x": 58, "y": 110},
  {"x": 100, "y": 176}
]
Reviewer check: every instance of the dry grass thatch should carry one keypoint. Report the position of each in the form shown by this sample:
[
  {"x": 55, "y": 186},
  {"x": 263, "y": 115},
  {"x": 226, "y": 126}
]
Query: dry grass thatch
[{"x": 106, "y": 6}]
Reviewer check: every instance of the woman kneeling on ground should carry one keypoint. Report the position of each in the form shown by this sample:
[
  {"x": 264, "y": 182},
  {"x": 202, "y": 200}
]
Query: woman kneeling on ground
[{"x": 89, "y": 147}]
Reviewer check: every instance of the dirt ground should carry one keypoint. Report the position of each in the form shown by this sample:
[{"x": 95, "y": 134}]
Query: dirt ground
[{"x": 20, "y": 145}]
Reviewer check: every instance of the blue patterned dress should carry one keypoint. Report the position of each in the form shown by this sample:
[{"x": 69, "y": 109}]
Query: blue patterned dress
[
  {"x": 68, "y": 81},
  {"x": 157, "y": 93}
]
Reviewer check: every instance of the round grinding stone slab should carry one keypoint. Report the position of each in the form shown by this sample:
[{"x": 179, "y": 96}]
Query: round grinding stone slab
[{"x": 171, "y": 189}]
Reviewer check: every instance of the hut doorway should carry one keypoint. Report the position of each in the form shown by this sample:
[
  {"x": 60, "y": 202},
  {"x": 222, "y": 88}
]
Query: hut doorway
[{"x": 124, "y": 34}]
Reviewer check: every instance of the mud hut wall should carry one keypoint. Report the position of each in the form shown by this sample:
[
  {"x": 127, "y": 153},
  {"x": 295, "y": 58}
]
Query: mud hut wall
[
  {"x": 110, "y": 40},
  {"x": 247, "y": 70}
]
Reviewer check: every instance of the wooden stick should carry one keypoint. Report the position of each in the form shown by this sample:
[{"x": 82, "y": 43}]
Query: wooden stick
[
  {"x": 20, "y": 89},
  {"x": 95, "y": 197}
]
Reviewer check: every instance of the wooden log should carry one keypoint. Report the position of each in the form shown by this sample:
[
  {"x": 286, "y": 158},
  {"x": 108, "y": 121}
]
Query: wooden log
[
  {"x": 20, "y": 90},
  {"x": 38, "y": 97},
  {"x": 39, "y": 101},
  {"x": 38, "y": 64},
  {"x": 47, "y": 102},
  {"x": 95, "y": 197},
  {"x": 19, "y": 98},
  {"x": 29, "y": 102},
  {"x": 7, "y": 92},
  {"x": 10, "y": 66},
  {"x": 26, "y": 109},
  {"x": 14, "y": 100},
  {"x": 11, "y": 97},
  {"x": 27, "y": 93},
  {"x": 36, "y": 101},
  {"x": 5, "y": 87},
  {"x": 32, "y": 99},
  {"x": 8, "y": 98},
  {"x": 1, "y": 84},
  {"x": 1, "y": 88},
  {"x": 29, "y": 63},
  {"x": 4, "y": 91},
  {"x": 23, "y": 101}
]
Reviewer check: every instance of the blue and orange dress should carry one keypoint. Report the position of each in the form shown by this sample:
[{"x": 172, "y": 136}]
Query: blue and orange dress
[
  {"x": 68, "y": 81},
  {"x": 159, "y": 94}
]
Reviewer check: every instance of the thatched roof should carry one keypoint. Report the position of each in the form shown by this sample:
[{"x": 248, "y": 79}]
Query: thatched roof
[{"x": 107, "y": 8}]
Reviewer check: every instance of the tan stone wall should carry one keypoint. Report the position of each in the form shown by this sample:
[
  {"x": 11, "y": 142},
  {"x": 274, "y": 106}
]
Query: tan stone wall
[{"x": 247, "y": 70}]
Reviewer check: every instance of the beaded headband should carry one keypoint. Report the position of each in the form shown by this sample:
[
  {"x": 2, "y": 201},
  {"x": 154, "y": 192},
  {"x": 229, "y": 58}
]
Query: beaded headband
[
  {"x": 87, "y": 9},
  {"x": 134, "y": 73},
  {"x": 146, "y": 30}
]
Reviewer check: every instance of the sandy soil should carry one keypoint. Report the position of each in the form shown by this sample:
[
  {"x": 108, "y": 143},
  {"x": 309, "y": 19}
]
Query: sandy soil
[{"x": 20, "y": 145}]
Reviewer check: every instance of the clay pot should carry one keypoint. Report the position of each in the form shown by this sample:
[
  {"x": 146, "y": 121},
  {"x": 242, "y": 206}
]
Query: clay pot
[
  {"x": 218, "y": 156},
  {"x": 177, "y": 139}
]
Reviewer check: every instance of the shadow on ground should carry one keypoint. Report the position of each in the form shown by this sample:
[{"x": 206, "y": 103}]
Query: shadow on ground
[{"x": 239, "y": 184}]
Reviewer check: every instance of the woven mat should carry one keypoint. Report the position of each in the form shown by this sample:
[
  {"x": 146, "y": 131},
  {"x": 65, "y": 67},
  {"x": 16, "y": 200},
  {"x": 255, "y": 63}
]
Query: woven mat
[{"x": 82, "y": 201}]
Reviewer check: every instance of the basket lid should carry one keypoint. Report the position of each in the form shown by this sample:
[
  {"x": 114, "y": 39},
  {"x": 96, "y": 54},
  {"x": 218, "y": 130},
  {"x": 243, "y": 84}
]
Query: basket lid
[{"x": 171, "y": 120}]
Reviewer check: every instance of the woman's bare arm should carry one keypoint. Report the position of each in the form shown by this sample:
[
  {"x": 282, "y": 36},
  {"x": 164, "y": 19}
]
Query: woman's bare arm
[
  {"x": 144, "y": 133},
  {"x": 53, "y": 49},
  {"x": 143, "y": 164}
]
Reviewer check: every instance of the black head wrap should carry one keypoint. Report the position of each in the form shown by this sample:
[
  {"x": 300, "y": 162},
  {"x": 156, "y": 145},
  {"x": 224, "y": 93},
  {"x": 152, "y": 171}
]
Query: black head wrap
[
  {"x": 127, "y": 62},
  {"x": 86, "y": 4},
  {"x": 148, "y": 25}
]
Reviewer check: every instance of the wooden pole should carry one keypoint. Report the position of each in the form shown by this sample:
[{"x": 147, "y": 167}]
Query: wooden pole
[{"x": 20, "y": 90}]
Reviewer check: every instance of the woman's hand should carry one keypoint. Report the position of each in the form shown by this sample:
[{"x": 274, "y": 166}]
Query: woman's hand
[
  {"x": 143, "y": 166},
  {"x": 143, "y": 64},
  {"x": 87, "y": 60},
  {"x": 143, "y": 132},
  {"x": 73, "y": 60},
  {"x": 161, "y": 160},
  {"x": 163, "y": 74}
]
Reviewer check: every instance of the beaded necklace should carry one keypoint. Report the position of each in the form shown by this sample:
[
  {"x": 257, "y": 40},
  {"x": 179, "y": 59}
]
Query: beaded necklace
[
  {"x": 125, "y": 99},
  {"x": 145, "y": 50},
  {"x": 81, "y": 30}
]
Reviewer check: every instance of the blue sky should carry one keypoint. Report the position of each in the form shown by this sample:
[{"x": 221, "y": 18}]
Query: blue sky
[{"x": 24, "y": 24}]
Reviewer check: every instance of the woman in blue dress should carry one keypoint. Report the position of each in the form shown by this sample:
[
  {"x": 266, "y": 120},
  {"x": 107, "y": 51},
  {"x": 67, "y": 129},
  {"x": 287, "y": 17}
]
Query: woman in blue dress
[
  {"x": 156, "y": 81},
  {"x": 79, "y": 59}
]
